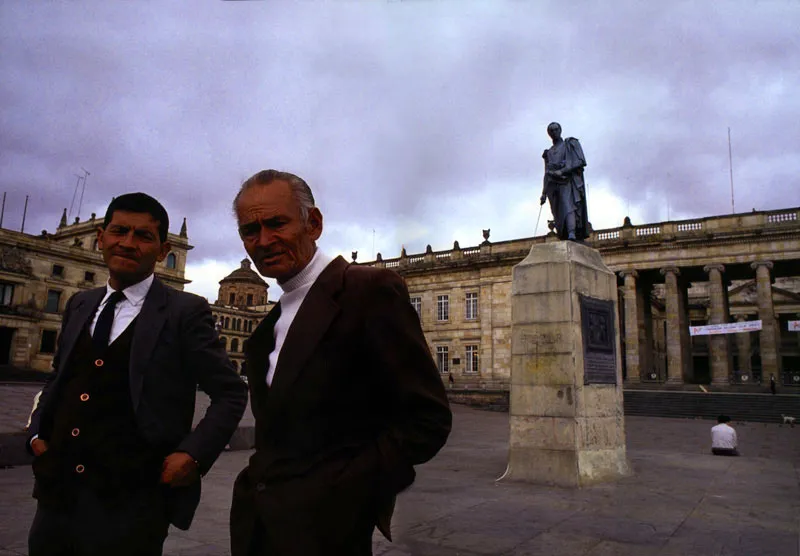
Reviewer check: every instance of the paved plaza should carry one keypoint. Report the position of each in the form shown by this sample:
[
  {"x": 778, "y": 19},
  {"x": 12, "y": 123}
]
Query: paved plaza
[{"x": 681, "y": 501}]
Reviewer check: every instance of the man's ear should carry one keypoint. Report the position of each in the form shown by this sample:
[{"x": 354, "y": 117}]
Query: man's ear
[
  {"x": 100, "y": 231},
  {"x": 314, "y": 223},
  {"x": 166, "y": 247}
]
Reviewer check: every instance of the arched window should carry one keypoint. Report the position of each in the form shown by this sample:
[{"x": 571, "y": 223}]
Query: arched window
[
  {"x": 172, "y": 260},
  {"x": 235, "y": 345},
  {"x": 224, "y": 341},
  {"x": 227, "y": 322}
]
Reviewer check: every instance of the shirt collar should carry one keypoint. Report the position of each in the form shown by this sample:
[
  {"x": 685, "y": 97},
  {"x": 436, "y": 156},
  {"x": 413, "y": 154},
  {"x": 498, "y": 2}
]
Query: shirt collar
[
  {"x": 134, "y": 294},
  {"x": 309, "y": 274}
]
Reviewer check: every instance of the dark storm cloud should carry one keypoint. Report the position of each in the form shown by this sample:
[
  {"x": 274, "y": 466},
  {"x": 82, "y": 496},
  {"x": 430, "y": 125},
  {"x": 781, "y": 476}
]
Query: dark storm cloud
[{"x": 388, "y": 108}]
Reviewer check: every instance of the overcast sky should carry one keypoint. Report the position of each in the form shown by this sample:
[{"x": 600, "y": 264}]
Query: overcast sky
[{"x": 423, "y": 121}]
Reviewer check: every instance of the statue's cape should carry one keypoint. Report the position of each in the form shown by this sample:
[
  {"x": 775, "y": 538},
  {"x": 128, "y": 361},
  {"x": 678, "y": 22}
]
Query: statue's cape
[{"x": 575, "y": 156}]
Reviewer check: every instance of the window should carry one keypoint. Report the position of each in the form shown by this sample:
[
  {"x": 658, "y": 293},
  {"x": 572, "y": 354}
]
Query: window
[
  {"x": 443, "y": 308},
  {"x": 53, "y": 299},
  {"x": 443, "y": 359},
  {"x": 224, "y": 341},
  {"x": 172, "y": 260},
  {"x": 6, "y": 294},
  {"x": 48, "y": 344},
  {"x": 231, "y": 299},
  {"x": 263, "y": 299},
  {"x": 249, "y": 299},
  {"x": 234, "y": 345},
  {"x": 416, "y": 302},
  {"x": 471, "y": 356},
  {"x": 227, "y": 322},
  {"x": 58, "y": 271},
  {"x": 88, "y": 277},
  {"x": 471, "y": 306}
]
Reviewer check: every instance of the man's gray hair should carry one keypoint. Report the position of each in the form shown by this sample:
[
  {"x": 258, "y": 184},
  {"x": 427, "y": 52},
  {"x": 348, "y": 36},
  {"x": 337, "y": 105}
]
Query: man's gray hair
[{"x": 300, "y": 189}]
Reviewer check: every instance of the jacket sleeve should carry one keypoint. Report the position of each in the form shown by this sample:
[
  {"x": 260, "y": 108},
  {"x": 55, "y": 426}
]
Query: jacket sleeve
[
  {"x": 206, "y": 359},
  {"x": 421, "y": 418},
  {"x": 47, "y": 390}
]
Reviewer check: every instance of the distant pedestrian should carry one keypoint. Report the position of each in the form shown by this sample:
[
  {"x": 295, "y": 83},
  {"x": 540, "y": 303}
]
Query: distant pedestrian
[
  {"x": 772, "y": 384},
  {"x": 723, "y": 438},
  {"x": 450, "y": 379}
]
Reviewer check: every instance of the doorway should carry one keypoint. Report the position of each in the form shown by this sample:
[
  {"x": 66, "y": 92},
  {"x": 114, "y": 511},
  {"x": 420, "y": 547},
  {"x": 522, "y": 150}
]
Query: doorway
[{"x": 6, "y": 336}]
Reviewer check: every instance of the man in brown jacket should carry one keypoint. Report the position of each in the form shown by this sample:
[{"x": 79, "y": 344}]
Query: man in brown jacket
[{"x": 346, "y": 396}]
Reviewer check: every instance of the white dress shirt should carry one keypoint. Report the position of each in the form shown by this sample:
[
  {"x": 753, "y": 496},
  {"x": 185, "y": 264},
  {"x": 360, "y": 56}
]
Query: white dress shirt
[
  {"x": 126, "y": 309},
  {"x": 294, "y": 292},
  {"x": 723, "y": 436}
]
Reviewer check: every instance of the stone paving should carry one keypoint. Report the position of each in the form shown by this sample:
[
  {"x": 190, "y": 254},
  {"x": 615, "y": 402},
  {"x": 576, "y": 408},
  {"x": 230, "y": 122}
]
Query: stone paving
[{"x": 681, "y": 501}]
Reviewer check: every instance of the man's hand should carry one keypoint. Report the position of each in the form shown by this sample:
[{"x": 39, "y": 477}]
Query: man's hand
[
  {"x": 38, "y": 446},
  {"x": 179, "y": 469},
  {"x": 542, "y": 199}
]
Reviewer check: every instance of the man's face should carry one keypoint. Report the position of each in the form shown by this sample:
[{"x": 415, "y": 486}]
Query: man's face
[
  {"x": 272, "y": 229},
  {"x": 131, "y": 247}
]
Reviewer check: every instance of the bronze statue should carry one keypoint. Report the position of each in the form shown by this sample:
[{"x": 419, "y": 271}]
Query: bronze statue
[{"x": 564, "y": 185}]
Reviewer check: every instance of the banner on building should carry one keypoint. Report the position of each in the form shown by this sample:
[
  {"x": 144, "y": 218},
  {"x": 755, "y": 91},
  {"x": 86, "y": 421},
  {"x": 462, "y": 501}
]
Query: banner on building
[
  {"x": 729, "y": 328},
  {"x": 794, "y": 326}
]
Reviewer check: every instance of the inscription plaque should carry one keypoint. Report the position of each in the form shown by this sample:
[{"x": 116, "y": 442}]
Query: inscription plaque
[{"x": 599, "y": 341}]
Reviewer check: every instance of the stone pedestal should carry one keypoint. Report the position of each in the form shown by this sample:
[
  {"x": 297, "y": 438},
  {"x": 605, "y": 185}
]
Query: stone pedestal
[{"x": 564, "y": 431}]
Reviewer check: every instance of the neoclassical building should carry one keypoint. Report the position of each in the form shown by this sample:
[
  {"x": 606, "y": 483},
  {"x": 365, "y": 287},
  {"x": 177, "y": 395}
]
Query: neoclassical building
[
  {"x": 39, "y": 273},
  {"x": 671, "y": 275},
  {"x": 242, "y": 302}
]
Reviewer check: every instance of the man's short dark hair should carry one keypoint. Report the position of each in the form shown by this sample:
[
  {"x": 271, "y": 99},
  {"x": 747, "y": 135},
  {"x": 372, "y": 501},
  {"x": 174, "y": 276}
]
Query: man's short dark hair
[
  {"x": 723, "y": 419},
  {"x": 140, "y": 202}
]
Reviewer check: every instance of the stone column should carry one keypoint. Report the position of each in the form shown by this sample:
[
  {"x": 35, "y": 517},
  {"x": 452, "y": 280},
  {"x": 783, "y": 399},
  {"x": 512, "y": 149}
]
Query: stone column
[
  {"x": 768, "y": 340},
  {"x": 638, "y": 327},
  {"x": 743, "y": 348},
  {"x": 678, "y": 346},
  {"x": 721, "y": 362}
]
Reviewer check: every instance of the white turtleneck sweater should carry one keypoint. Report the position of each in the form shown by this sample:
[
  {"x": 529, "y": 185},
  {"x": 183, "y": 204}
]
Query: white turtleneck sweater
[{"x": 294, "y": 292}]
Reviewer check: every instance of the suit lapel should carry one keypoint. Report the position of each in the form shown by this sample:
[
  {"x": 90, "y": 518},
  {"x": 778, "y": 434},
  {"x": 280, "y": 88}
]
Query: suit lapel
[
  {"x": 315, "y": 315},
  {"x": 149, "y": 323},
  {"x": 80, "y": 316},
  {"x": 257, "y": 349}
]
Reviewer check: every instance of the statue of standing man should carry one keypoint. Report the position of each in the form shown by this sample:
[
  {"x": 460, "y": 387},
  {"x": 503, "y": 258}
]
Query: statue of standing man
[{"x": 564, "y": 186}]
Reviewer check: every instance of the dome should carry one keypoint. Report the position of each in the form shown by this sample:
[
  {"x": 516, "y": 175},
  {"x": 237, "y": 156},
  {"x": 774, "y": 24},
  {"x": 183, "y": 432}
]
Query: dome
[{"x": 244, "y": 274}]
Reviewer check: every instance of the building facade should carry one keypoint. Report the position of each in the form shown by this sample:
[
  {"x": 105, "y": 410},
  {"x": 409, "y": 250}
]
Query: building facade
[
  {"x": 242, "y": 302},
  {"x": 671, "y": 275},
  {"x": 39, "y": 273}
]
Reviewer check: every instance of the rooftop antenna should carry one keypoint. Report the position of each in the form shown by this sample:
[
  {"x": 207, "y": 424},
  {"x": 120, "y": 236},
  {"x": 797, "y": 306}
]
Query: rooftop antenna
[
  {"x": 730, "y": 165},
  {"x": 3, "y": 210},
  {"x": 86, "y": 175},
  {"x": 72, "y": 204},
  {"x": 24, "y": 213}
]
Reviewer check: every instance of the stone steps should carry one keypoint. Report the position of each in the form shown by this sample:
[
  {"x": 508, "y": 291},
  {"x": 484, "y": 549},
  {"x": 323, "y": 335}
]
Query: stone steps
[{"x": 761, "y": 408}]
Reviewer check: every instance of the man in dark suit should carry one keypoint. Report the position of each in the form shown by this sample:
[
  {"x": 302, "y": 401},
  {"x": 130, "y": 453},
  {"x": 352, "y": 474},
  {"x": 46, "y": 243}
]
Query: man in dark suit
[
  {"x": 346, "y": 396},
  {"x": 116, "y": 460}
]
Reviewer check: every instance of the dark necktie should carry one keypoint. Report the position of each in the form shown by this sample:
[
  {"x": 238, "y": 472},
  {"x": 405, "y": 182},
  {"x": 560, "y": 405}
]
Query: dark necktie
[{"x": 102, "y": 330}]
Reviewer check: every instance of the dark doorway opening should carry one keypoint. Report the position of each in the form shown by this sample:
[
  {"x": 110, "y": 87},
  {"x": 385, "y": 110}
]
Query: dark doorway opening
[
  {"x": 702, "y": 370},
  {"x": 6, "y": 336}
]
